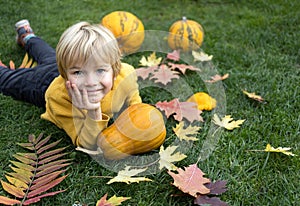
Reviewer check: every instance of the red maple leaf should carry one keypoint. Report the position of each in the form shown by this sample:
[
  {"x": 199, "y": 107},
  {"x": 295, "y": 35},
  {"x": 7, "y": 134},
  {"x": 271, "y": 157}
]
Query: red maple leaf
[
  {"x": 164, "y": 75},
  {"x": 187, "y": 110},
  {"x": 182, "y": 67},
  {"x": 190, "y": 180},
  {"x": 144, "y": 72},
  {"x": 175, "y": 55}
]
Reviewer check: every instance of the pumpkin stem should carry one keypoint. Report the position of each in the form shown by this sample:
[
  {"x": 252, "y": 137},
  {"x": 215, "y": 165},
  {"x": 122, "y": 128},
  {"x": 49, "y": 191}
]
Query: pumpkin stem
[{"x": 184, "y": 18}]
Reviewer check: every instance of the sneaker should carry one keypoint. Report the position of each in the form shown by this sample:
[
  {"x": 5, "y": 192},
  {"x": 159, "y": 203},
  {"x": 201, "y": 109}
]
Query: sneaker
[{"x": 24, "y": 32}]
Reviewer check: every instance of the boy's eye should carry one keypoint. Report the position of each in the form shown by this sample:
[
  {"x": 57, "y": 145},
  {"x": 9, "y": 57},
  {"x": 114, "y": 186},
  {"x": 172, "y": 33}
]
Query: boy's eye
[
  {"x": 77, "y": 72},
  {"x": 100, "y": 71}
]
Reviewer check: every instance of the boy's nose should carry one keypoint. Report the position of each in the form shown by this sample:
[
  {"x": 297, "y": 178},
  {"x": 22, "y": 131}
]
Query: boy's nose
[{"x": 91, "y": 80}]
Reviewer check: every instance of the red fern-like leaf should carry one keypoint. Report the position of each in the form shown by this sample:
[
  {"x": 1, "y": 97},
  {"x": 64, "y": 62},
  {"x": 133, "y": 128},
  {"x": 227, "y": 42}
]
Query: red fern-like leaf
[{"x": 35, "y": 173}]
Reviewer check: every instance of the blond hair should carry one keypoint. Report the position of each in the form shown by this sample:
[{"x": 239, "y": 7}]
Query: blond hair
[{"x": 83, "y": 41}]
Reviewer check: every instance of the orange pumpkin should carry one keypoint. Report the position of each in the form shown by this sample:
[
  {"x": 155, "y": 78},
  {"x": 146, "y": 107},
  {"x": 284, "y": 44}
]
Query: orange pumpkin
[
  {"x": 185, "y": 35},
  {"x": 139, "y": 129},
  {"x": 127, "y": 28}
]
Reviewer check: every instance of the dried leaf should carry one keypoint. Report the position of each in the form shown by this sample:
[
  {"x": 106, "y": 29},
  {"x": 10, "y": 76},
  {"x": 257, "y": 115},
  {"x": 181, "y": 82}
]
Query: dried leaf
[
  {"x": 190, "y": 180},
  {"x": 32, "y": 178},
  {"x": 103, "y": 202},
  {"x": 144, "y": 73},
  {"x": 174, "y": 55},
  {"x": 127, "y": 174},
  {"x": 12, "y": 65},
  {"x": 150, "y": 61},
  {"x": 217, "y": 78},
  {"x": 227, "y": 122},
  {"x": 182, "y": 67},
  {"x": 8, "y": 201},
  {"x": 201, "y": 56},
  {"x": 283, "y": 150},
  {"x": 167, "y": 157},
  {"x": 254, "y": 96},
  {"x": 114, "y": 200},
  {"x": 206, "y": 200},
  {"x": 217, "y": 187},
  {"x": 187, "y": 110},
  {"x": 11, "y": 189},
  {"x": 164, "y": 75},
  {"x": 188, "y": 134}
]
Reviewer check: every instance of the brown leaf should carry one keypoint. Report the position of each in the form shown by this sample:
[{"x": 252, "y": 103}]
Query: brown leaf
[
  {"x": 217, "y": 78},
  {"x": 217, "y": 188},
  {"x": 164, "y": 75},
  {"x": 187, "y": 110},
  {"x": 190, "y": 180},
  {"x": 206, "y": 200},
  {"x": 182, "y": 67}
]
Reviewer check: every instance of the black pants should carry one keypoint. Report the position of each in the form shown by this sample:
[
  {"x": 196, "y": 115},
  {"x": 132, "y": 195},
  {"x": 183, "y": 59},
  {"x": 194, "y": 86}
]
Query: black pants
[{"x": 30, "y": 84}]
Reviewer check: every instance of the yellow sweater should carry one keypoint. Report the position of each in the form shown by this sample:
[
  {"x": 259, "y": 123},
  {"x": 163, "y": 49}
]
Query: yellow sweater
[{"x": 83, "y": 130}]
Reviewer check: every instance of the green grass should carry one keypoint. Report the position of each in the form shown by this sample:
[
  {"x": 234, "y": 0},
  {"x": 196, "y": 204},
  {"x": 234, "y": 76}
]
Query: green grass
[{"x": 256, "y": 42}]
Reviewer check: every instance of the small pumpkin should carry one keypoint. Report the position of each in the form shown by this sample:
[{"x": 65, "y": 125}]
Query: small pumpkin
[
  {"x": 203, "y": 101},
  {"x": 127, "y": 28},
  {"x": 185, "y": 35},
  {"x": 139, "y": 129}
]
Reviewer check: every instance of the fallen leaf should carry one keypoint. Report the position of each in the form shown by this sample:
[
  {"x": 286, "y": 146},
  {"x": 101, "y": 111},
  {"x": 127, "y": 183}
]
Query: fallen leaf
[
  {"x": 164, "y": 75},
  {"x": 206, "y": 200},
  {"x": 283, "y": 150},
  {"x": 254, "y": 96},
  {"x": 103, "y": 202},
  {"x": 150, "y": 61},
  {"x": 217, "y": 78},
  {"x": 180, "y": 110},
  {"x": 182, "y": 67},
  {"x": 114, "y": 200},
  {"x": 217, "y": 187},
  {"x": 188, "y": 134},
  {"x": 190, "y": 180},
  {"x": 126, "y": 176},
  {"x": 167, "y": 157},
  {"x": 227, "y": 122},
  {"x": 145, "y": 72},
  {"x": 201, "y": 56},
  {"x": 174, "y": 55}
]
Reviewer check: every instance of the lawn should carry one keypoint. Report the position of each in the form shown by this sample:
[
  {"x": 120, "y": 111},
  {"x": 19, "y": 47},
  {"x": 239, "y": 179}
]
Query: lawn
[{"x": 255, "y": 42}]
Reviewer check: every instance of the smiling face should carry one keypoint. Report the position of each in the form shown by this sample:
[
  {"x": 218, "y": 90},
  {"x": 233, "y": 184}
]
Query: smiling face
[{"x": 94, "y": 77}]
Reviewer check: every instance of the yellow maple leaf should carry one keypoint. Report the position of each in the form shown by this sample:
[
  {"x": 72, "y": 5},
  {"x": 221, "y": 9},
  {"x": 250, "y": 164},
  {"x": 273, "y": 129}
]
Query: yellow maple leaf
[
  {"x": 189, "y": 133},
  {"x": 227, "y": 122},
  {"x": 201, "y": 56},
  {"x": 114, "y": 200},
  {"x": 283, "y": 150},
  {"x": 150, "y": 61},
  {"x": 253, "y": 96},
  {"x": 167, "y": 157},
  {"x": 126, "y": 176}
]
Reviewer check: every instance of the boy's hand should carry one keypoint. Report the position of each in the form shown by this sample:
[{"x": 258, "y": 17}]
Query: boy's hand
[{"x": 81, "y": 101}]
